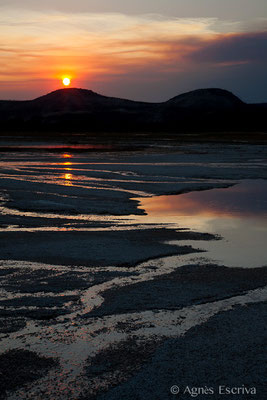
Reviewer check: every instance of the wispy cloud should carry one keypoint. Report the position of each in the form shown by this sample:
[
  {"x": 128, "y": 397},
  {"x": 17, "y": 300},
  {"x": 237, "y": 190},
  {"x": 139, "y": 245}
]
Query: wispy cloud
[
  {"x": 45, "y": 45},
  {"x": 87, "y": 43}
]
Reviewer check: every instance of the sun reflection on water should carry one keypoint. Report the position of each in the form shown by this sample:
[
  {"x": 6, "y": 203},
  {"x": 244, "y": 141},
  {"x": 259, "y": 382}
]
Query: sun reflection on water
[{"x": 68, "y": 178}]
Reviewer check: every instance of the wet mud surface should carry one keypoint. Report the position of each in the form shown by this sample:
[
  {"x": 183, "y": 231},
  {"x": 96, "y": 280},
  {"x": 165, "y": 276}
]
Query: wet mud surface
[
  {"x": 188, "y": 285},
  {"x": 94, "y": 248},
  {"x": 18, "y": 367},
  {"x": 102, "y": 298},
  {"x": 221, "y": 352}
]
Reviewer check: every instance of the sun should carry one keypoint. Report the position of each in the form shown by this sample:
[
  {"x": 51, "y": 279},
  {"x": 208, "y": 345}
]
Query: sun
[{"x": 66, "y": 81}]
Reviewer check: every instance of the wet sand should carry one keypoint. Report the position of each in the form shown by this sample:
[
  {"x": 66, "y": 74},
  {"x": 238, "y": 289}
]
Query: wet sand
[{"x": 88, "y": 280}]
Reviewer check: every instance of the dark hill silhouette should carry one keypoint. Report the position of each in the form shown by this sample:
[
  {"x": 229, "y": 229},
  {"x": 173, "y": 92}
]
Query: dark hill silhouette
[
  {"x": 84, "y": 110},
  {"x": 78, "y": 100},
  {"x": 206, "y": 98}
]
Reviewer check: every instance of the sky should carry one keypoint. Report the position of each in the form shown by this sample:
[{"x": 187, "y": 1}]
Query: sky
[{"x": 148, "y": 50}]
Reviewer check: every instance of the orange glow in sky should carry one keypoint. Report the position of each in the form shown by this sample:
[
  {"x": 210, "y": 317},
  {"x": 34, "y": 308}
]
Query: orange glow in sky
[
  {"x": 89, "y": 46},
  {"x": 42, "y": 50}
]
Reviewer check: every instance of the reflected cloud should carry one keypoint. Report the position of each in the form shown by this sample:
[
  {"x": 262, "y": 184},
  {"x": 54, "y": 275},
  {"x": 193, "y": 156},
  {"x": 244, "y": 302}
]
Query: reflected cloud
[{"x": 236, "y": 201}]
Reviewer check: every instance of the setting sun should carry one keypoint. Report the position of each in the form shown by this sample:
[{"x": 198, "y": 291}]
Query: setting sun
[{"x": 66, "y": 81}]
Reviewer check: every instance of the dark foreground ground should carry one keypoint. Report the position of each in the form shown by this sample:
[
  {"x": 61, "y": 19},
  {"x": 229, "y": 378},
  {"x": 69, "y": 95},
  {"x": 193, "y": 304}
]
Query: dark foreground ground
[
  {"x": 90, "y": 307},
  {"x": 226, "y": 351}
]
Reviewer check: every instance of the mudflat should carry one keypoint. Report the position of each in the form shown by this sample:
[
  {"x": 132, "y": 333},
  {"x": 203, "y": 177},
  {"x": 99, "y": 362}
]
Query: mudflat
[{"x": 122, "y": 272}]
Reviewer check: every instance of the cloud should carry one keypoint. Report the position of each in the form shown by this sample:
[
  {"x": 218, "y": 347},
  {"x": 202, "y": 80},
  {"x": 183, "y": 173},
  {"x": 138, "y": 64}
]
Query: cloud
[
  {"x": 224, "y": 9},
  {"x": 233, "y": 49},
  {"x": 37, "y": 48},
  {"x": 88, "y": 44}
]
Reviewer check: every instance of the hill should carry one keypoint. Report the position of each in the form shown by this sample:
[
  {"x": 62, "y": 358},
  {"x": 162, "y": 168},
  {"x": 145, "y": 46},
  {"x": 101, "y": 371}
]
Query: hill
[{"x": 84, "y": 110}]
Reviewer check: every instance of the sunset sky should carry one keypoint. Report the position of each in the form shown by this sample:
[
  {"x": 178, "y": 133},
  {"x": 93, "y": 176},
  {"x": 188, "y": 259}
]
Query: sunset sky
[{"x": 140, "y": 49}]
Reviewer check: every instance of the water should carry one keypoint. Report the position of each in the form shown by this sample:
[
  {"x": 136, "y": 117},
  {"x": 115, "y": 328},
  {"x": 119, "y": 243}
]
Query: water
[
  {"x": 52, "y": 192},
  {"x": 73, "y": 192},
  {"x": 238, "y": 214}
]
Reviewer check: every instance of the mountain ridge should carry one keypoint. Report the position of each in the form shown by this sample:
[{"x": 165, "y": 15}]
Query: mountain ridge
[{"x": 85, "y": 110}]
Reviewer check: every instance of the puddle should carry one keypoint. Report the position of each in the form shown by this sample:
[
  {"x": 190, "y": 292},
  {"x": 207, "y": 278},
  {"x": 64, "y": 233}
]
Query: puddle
[{"x": 238, "y": 214}]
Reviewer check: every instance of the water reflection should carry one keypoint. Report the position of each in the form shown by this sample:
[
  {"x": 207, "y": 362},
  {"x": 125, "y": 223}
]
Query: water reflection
[
  {"x": 244, "y": 199},
  {"x": 67, "y": 176},
  {"x": 238, "y": 214},
  {"x": 56, "y": 147},
  {"x": 68, "y": 179}
]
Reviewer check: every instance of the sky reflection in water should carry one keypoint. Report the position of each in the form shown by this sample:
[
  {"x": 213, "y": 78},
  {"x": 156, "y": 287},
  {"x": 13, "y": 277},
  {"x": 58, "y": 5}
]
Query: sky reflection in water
[{"x": 238, "y": 214}]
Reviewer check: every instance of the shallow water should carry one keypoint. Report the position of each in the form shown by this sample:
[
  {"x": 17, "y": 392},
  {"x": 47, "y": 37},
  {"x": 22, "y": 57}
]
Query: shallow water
[
  {"x": 40, "y": 194},
  {"x": 238, "y": 214},
  {"x": 73, "y": 192}
]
